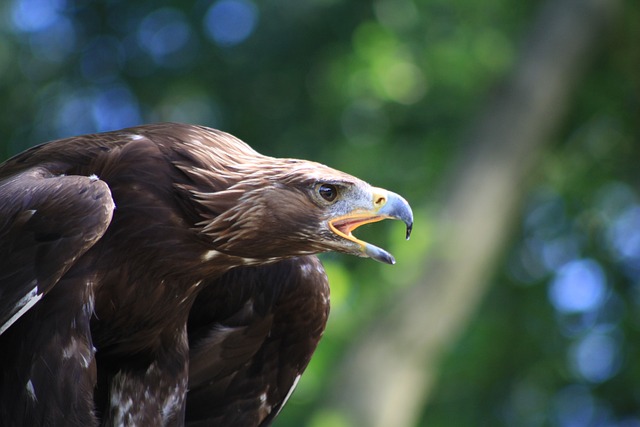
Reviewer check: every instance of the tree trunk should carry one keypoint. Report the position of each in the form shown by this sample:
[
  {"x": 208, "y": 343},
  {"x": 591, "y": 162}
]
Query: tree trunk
[{"x": 389, "y": 372}]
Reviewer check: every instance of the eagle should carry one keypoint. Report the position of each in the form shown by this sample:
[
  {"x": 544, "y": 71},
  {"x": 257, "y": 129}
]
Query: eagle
[{"x": 166, "y": 275}]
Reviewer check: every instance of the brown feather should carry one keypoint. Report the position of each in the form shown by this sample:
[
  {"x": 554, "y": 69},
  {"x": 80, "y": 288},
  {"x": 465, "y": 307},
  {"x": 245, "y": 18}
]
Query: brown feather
[{"x": 205, "y": 230}]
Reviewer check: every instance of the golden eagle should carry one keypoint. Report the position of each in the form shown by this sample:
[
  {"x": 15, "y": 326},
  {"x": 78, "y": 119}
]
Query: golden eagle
[{"x": 165, "y": 275}]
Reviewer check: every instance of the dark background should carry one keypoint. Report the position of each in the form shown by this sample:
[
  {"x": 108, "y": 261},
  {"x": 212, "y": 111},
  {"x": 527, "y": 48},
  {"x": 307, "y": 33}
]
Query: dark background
[{"x": 513, "y": 128}]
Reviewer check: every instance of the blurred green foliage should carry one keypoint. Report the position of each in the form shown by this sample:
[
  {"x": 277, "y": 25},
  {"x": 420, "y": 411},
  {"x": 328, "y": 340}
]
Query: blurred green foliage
[{"x": 383, "y": 90}]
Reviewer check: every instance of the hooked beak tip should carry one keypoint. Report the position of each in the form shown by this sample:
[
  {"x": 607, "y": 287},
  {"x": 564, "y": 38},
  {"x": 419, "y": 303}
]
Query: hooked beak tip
[
  {"x": 397, "y": 207},
  {"x": 394, "y": 207}
]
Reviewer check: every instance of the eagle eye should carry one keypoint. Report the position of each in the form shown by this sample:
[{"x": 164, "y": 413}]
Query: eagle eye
[{"x": 328, "y": 192}]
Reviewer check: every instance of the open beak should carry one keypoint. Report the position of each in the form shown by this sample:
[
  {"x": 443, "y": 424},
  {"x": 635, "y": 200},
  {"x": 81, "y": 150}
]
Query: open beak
[{"x": 385, "y": 205}]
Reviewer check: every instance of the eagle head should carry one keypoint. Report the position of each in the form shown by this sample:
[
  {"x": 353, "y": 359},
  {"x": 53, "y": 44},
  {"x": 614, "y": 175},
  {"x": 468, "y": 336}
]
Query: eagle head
[{"x": 263, "y": 208}]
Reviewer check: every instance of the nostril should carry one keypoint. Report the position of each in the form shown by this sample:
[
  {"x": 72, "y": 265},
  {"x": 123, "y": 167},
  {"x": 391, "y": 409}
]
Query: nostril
[{"x": 380, "y": 201}]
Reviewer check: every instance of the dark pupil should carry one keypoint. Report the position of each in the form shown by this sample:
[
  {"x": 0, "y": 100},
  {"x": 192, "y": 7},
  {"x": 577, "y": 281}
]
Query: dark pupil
[{"x": 328, "y": 192}]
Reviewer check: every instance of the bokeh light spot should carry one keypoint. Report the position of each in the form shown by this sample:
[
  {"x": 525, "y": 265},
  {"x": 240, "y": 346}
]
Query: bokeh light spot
[
  {"x": 87, "y": 111},
  {"x": 72, "y": 117},
  {"x": 403, "y": 82},
  {"x": 55, "y": 43},
  {"x": 163, "y": 32},
  {"x": 624, "y": 237},
  {"x": 574, "y": 406},
  {"x": 114, "y": 108},
  {"x": 229, "y": 22},
  {"x": 596, "y": 357},
  {"x": 36, "y": 15},
  {"x": 578, "y": 286}
]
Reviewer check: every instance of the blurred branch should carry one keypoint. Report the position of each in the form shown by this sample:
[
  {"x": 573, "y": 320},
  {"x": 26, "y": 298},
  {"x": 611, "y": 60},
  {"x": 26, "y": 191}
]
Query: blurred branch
[{"x": 390, "y": 370}]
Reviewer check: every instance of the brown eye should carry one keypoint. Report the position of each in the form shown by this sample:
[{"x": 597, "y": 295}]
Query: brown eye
[{"x": 328, "y": 192}]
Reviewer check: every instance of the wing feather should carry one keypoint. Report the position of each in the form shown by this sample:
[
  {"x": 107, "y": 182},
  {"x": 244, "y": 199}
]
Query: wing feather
[
  {"x": 252, "y": 333},
  {"x": 46, "y": 223}
]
